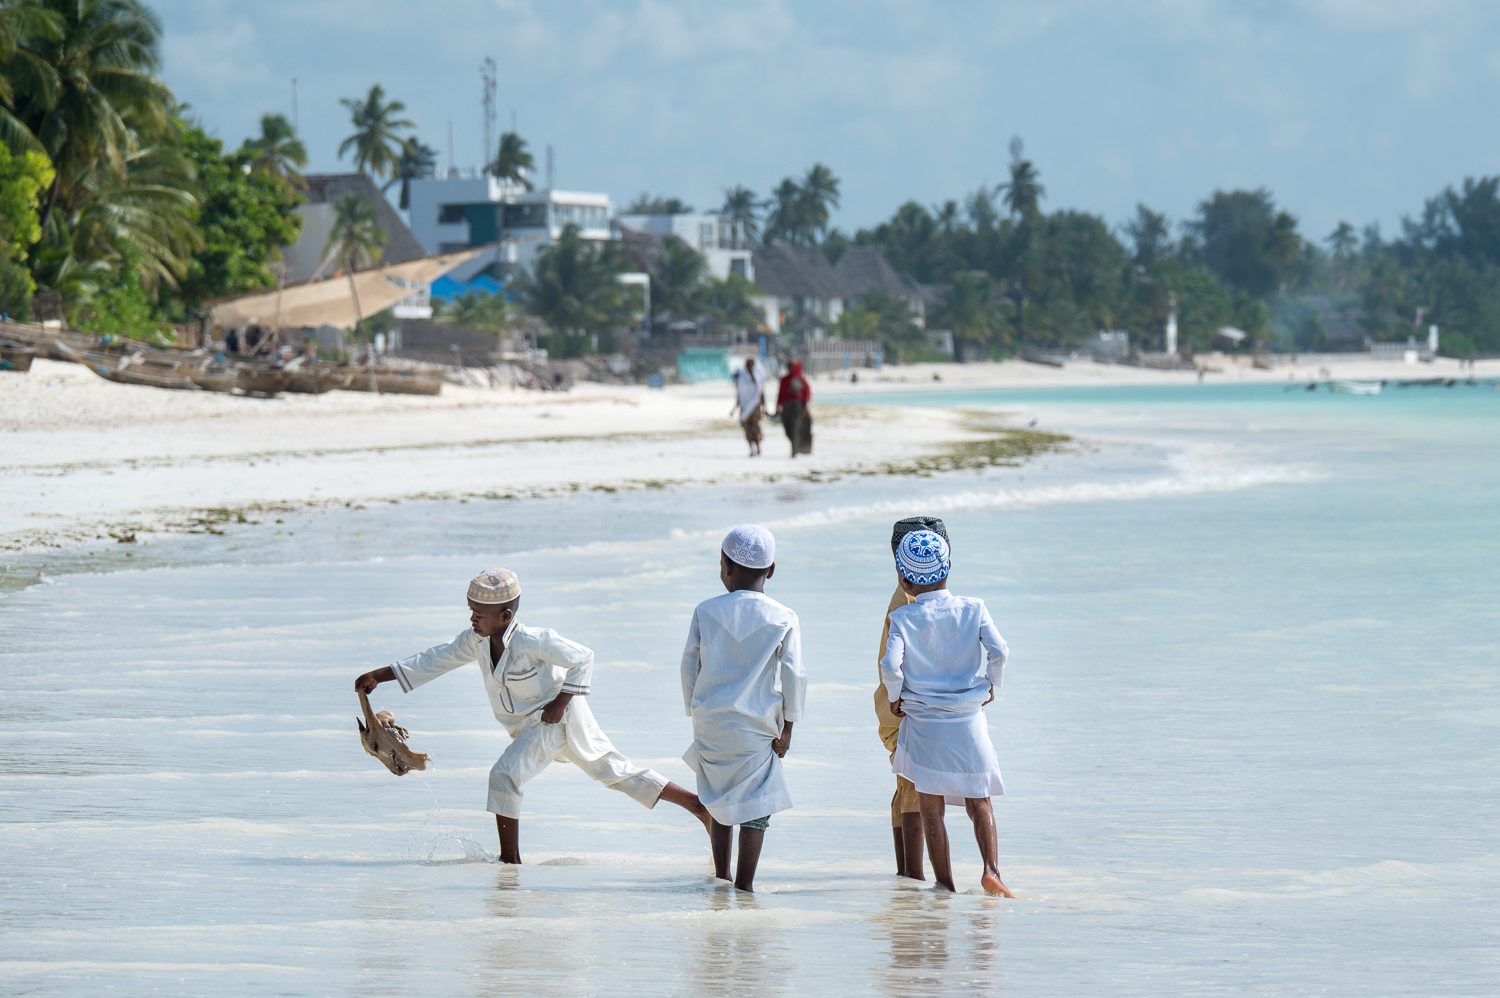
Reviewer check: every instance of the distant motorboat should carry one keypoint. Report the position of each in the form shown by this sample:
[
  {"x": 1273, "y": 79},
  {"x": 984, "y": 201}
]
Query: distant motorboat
[{"x": 1355, "y": 387}]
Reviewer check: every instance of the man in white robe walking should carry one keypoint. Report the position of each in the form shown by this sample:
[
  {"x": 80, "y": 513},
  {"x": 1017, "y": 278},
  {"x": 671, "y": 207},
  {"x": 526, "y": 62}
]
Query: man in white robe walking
[
  {"x": 743, "y": 685},
  {"x": 535, "y": 679}
]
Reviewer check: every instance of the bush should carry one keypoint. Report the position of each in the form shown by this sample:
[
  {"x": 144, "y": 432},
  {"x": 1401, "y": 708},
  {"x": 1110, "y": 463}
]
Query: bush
[{"x": 1456, "y": 345}]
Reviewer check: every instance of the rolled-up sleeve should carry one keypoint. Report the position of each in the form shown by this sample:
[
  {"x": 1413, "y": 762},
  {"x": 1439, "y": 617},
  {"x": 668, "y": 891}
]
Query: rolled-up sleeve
[
  {"x": 426, "y": 666},
  {"x": 792, "y": 675},
  {"x": 994, "y": 646},
  {"x": 692, "y": 664},
  {"x": 890, "y": 663},
  {"x": 578, "y": 660}
]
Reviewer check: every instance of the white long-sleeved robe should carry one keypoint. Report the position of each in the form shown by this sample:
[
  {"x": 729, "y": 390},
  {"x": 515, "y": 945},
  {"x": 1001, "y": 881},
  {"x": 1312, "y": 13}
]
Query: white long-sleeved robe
[
  {"x": 942, "y": 657},
  {"x": 742, "y": 676},
  {"x": 536, "y": 665}
]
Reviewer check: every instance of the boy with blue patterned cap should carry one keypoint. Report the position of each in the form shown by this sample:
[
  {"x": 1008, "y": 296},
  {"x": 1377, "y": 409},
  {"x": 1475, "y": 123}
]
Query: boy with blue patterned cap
[
  {"x": 942, "y": 664},
  {"x": 743, "y": 686},
  {"x": 536, "y": 681}
]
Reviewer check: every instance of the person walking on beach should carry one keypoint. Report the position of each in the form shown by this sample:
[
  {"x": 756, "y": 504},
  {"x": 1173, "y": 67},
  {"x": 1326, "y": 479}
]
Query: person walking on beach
[
  {"x": 792, "y": 399},
  {"x": 750, "y": 396},
  {"x": 943, "y": 662},
  {"x": 743, "y": 685},
  {"x": 535, "y": 679},
  {"x": 906, "y": 810}
]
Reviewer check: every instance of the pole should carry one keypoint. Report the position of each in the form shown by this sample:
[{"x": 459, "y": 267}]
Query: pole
[{"x": 296, "y": 121}]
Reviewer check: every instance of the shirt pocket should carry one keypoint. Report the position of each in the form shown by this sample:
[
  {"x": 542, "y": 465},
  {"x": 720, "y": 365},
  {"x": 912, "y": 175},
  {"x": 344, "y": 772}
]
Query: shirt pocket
[{"x": 529, "y": 684}]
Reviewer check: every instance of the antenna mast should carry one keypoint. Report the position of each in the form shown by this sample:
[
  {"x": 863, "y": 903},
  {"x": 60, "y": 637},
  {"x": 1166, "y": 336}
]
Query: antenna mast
[{"x": 487, "y": 74}]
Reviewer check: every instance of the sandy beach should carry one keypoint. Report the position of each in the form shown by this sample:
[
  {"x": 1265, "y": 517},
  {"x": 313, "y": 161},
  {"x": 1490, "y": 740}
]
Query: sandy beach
[{"x": 86, "y": 461}]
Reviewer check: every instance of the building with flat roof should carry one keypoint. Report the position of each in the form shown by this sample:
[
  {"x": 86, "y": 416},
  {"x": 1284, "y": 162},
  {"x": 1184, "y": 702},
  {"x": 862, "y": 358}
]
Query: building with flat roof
[
  {"x": 460, "y": 210},
  {"x": 720, "y": 241}
]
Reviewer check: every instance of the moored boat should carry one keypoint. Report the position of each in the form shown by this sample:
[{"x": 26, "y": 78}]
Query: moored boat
[
  {"x": 266, "y": 381},
  {"x": 394, "y": 381},
  {"x": 16, "y": 356},
  {"x": 123, "y": 370},
  {"x": 317, "y": 380},
  {"x": 1355, "y": 387}
]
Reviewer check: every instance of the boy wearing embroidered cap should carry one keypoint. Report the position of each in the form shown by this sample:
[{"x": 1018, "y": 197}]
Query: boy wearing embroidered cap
[
  {"x": 533, "y": 677},
  {"x": 943, "y": 662},
  {"x": 743, "y": 686}
]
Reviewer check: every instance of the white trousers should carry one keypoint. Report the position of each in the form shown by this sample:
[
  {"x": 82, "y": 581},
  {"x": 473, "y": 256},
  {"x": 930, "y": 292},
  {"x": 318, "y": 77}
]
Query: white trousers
[{"x": 578, "y": 739}]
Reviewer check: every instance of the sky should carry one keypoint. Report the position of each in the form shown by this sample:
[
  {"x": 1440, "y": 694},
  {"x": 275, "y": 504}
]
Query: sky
[{"x": 1352, "y": 110}]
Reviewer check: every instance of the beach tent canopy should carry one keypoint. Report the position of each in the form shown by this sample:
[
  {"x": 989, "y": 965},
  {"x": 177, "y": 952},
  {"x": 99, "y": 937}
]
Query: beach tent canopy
[{"x": 328, "y": 301}]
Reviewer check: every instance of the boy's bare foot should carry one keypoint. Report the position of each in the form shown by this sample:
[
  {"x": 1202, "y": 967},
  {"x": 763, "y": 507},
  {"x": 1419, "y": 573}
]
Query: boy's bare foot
[{"x": 992, "y": 884}]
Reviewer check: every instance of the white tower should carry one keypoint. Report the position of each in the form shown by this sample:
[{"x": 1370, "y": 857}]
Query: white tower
[
  {"x": 1171, "y": 325},
  {"x": 1432, "y": 340}
]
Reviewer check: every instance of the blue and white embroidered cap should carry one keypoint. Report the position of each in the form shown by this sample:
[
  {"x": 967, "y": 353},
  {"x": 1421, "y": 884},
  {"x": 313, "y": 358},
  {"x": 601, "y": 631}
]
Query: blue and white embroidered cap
[
  {"x": 750, "y": 545},
  {"x": 922, "y": 558}
]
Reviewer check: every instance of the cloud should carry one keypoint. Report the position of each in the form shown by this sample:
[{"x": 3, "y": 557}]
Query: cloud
[{"x": 1345, "y": 108}]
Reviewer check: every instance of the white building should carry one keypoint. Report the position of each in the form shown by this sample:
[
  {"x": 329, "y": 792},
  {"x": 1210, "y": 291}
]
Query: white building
[
  {"x": 461, "y": 210},
  {"x": 718, "y": 240}
]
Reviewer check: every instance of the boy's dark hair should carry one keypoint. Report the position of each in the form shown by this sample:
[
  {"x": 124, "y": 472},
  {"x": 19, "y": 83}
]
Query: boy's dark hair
[{"x": 911, "y": 523}]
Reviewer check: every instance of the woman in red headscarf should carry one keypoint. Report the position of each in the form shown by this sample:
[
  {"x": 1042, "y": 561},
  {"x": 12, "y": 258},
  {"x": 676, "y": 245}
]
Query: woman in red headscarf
[{"x": 792, "y": 401}]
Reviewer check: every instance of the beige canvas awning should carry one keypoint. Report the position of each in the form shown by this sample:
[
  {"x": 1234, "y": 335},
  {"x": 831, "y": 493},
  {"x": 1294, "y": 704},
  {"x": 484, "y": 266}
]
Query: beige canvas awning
[{"x": 327, "y": 301}]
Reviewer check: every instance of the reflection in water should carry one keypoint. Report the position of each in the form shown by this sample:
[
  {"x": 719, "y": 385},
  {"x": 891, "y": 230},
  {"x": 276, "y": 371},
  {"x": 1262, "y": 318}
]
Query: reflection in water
[
  {"x": 939, "y": 944},
  {"x": 738, "y": 952}
]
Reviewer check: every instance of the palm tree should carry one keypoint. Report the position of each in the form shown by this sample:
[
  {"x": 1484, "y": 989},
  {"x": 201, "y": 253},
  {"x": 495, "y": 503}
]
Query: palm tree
[
  {"x": 742, "y": 207},
  {"x": 1024, "y": 193},
  {"x": 22, "y": 21},
  {"x": 1342, "y": 241},
  {"x": 417, "y": 161},
  {"x": 820, "y": 192},
  {"x": 477, "y": 310},
  {"x": 677, "y": 276},
  {"x": 512, "y": 161},
  {"x": 278, "y": 151},
  {"x": 88, "y": 91},
  {"x": 969, "y": 309},
  {"x": 375, "y": 142},
  {"x": 787, "y": 220},
  {"x": 573, "y": 286},
  {"x": 358, "y": 240}
]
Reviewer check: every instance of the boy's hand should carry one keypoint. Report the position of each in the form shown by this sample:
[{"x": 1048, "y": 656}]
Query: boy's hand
[
  {"x": 896, "y": 708},
  {"x": 780, "y": 745},
  {"x": 553, "y": 712},
  {"x": 992, "y": 694}
]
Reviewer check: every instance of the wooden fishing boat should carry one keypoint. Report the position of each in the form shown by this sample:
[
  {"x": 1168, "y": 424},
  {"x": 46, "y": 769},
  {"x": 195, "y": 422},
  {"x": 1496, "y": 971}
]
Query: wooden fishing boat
[
  {"x": 394, "y": 381},
  {"x": 225, "y": 380},
  {"x": 16, "y": 356},
  {"x": 317, "y": 380},
  {"x": 123, "y": 371},
  {"x": 263, "y": 381}
]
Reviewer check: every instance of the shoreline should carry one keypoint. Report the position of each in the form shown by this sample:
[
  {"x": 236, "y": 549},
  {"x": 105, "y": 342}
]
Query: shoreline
[{"x": 87, "y": 462}]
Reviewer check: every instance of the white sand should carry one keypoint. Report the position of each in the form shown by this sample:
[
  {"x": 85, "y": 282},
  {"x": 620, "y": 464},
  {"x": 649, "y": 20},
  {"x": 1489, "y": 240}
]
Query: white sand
[{"x": 82, "y": 459}]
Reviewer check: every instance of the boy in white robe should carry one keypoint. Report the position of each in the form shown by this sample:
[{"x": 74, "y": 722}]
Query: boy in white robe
[
  {"x": 943, "y": 662},
  {"x": 534, "y": 678},
  {"x": 743, "y": 686}
]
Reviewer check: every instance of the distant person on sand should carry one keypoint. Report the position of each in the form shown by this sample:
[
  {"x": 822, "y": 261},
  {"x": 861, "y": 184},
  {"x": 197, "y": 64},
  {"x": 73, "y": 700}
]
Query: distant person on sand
[
  {"x": 750, "y": 395},
  {"x": 792, "y": 402},
  {"x": 906, "y": 809},
  {"x": 533, "y": 677},
  {"x": 943, "y": 662},
  {"x": 743, "y": 685}
]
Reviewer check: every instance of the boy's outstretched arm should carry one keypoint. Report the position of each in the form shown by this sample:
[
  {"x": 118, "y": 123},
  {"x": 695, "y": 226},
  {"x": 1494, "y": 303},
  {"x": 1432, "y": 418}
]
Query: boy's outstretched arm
[{"x": 366, "y": 684}]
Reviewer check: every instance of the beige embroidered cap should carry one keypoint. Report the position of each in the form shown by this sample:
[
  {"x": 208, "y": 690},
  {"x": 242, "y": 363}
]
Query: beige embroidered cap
[{"x": 495, "y": 585}]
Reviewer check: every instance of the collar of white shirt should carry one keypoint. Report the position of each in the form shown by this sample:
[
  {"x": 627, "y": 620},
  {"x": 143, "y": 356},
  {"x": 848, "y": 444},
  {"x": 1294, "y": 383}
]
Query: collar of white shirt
[
  {"x": 504, "y": 641},
  {"x": 933, "y": 594}
]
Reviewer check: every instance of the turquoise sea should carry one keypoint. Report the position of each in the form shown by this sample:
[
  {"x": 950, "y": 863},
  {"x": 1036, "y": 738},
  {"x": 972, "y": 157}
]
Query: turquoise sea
[{"x": 1250, "y": 731}]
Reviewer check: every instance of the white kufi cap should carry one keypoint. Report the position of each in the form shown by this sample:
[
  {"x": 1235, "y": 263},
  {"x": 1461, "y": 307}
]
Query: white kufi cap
[{"x": 750, "y": 546}]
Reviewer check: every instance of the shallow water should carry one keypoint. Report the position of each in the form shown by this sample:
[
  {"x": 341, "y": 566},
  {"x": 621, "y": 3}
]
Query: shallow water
[{"x": 1248, "y": 732}]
